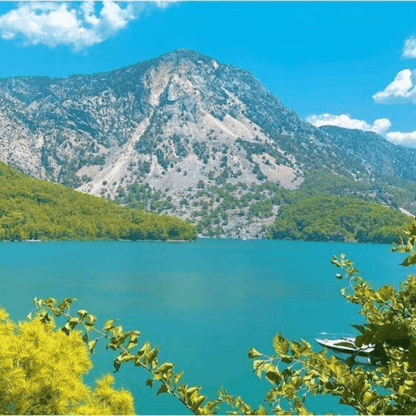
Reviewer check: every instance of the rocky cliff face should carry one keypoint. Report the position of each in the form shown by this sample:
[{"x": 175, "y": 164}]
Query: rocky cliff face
[{"x": 176, "y": 125}]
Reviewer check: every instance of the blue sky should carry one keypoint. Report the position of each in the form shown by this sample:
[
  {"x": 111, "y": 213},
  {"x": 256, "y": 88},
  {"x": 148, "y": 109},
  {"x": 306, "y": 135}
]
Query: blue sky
[{"x": 348, "y": 64}]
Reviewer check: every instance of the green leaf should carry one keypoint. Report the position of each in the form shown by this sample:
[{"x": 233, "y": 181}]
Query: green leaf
[
  {"x": 386, "y": 292},
  {"x": 151, "y": 355},
  {"x": 114, "y": 344},
  {"x": 281, "y": 344},
  {"x": 49, "y": 302},
  {"x": 164, "y": 368},
  {"x": 361, "y": 328},
  {"x": 149, "y": 382},
  {"x": 86, "y": 338},
  {"x": 70, "y": 325},
  {"x": 37, "y": 302},
  {"x": 144, "y": 349},
  {"x": 409, "y": 260},
  {"x": 45, "y": 318},
  {"x": 122, "y": 337},
  {"x": 335, "y": 261},
  {"x": 82, "y": 313},
  {"x": 90, "y": 321},
  {"x": 125, "y": 356},
  {"x": 117, "y": 331},
  {"x": 109, "y": 324},
  {"x": 192, "y": 390},
  {"x": 273, "y": 376},
  {"x": 73, "y": 322},
  {"x": 258, "y": 367},
  {"x": 197, "y": 402},
  {"x": 182, "y": 390},
  {"x": 209, "y": 406},
  {"x": 56, "y": 312},
  {"x": 162, "y": 389},
  {"x": 352, "y": 270},
  {"x": 133, "y": 341},
  {"x": 91, "y": 345},
  {"x": 131, "y": 344},
  {"x": 177, "y": 378},
  {"x": 66, "y": 303},
  {"x": 253, "y": 353}
]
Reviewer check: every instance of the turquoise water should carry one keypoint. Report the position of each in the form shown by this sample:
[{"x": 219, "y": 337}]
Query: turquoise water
[{"x": 204, "y": 303}]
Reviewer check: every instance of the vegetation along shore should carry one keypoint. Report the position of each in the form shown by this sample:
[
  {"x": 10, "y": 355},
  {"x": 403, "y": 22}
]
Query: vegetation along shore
[{"x": 33, "y": 209}]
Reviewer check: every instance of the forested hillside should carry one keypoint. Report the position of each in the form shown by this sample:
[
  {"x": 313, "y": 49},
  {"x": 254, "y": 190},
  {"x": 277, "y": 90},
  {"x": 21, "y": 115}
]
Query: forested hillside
[
  {"x": 334, "y": 218},
  {"x": 325, "y": 207},
  {"x": 36, "y": 209}
]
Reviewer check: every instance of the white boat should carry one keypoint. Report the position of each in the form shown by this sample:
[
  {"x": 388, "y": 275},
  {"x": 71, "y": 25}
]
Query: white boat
[{"x": 344, "y": 347}]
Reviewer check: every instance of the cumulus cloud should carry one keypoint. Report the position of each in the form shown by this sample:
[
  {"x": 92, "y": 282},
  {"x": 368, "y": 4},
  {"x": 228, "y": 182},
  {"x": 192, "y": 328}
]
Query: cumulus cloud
[
  {"x": 404, "y": 139},
  {"x": 401, "y": 90},
  {"x": 380, "y": 126},
  {"x": 409, "y": 50},
  {"x": 64, "y": 23}
]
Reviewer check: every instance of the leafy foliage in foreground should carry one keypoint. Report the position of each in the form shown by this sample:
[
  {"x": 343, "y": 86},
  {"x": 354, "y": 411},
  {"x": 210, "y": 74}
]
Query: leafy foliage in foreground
[
  {"x": 127, "y": 345},
  {"x": 41, "y": 372},
  {"x": 36, "y": 209},
  {"x": 294, "y": 369},
  {"x": 334, "y": 218}
]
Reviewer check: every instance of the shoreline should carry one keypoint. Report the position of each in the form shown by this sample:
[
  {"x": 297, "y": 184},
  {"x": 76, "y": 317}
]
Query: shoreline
[{"x": 195, "y": 240}]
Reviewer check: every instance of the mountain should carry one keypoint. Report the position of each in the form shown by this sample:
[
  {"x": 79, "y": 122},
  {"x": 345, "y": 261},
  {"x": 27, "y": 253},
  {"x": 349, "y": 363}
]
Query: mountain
[
  {"x": 188, "y": 135},
  {"x": 384, "y": 158}
]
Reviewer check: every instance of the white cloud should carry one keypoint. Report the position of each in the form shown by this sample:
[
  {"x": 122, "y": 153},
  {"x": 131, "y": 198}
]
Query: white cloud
[
  {"x": 404, "y": 139},
  {"x": 380, "y": 126},
  {"x": 164, "y": 3},
  {"x": 409, "y": 50},
  {"x": 401, "y": 90},
  {"x": 64, "y": 23}
]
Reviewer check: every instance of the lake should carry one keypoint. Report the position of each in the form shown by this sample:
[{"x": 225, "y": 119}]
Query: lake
[{"x": 203, "y": 303}]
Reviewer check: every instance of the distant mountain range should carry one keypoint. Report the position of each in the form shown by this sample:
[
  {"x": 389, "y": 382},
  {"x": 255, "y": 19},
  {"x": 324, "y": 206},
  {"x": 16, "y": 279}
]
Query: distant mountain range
[{"x": 187, "y": 135}]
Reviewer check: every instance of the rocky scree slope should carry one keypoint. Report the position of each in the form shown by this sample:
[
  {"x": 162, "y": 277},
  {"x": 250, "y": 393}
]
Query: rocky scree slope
[{"x": 184, "y": 134}]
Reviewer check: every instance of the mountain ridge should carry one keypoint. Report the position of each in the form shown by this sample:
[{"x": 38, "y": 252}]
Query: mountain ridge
[{"x": 180, "y": 125}]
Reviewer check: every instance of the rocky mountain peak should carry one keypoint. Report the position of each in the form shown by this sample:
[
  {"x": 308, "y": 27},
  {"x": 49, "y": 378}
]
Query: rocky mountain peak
[
  {"x": 181, "y": 55},
  {"x": 175, "y": 125}
]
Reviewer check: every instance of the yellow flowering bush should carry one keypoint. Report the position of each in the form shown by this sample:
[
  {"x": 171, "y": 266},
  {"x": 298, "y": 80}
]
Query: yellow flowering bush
[{"x": 41, "y": 372}]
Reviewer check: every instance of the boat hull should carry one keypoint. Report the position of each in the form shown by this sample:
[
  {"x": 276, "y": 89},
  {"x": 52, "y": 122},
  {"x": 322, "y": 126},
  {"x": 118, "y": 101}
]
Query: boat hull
[{"x": 344, "y": 349}]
